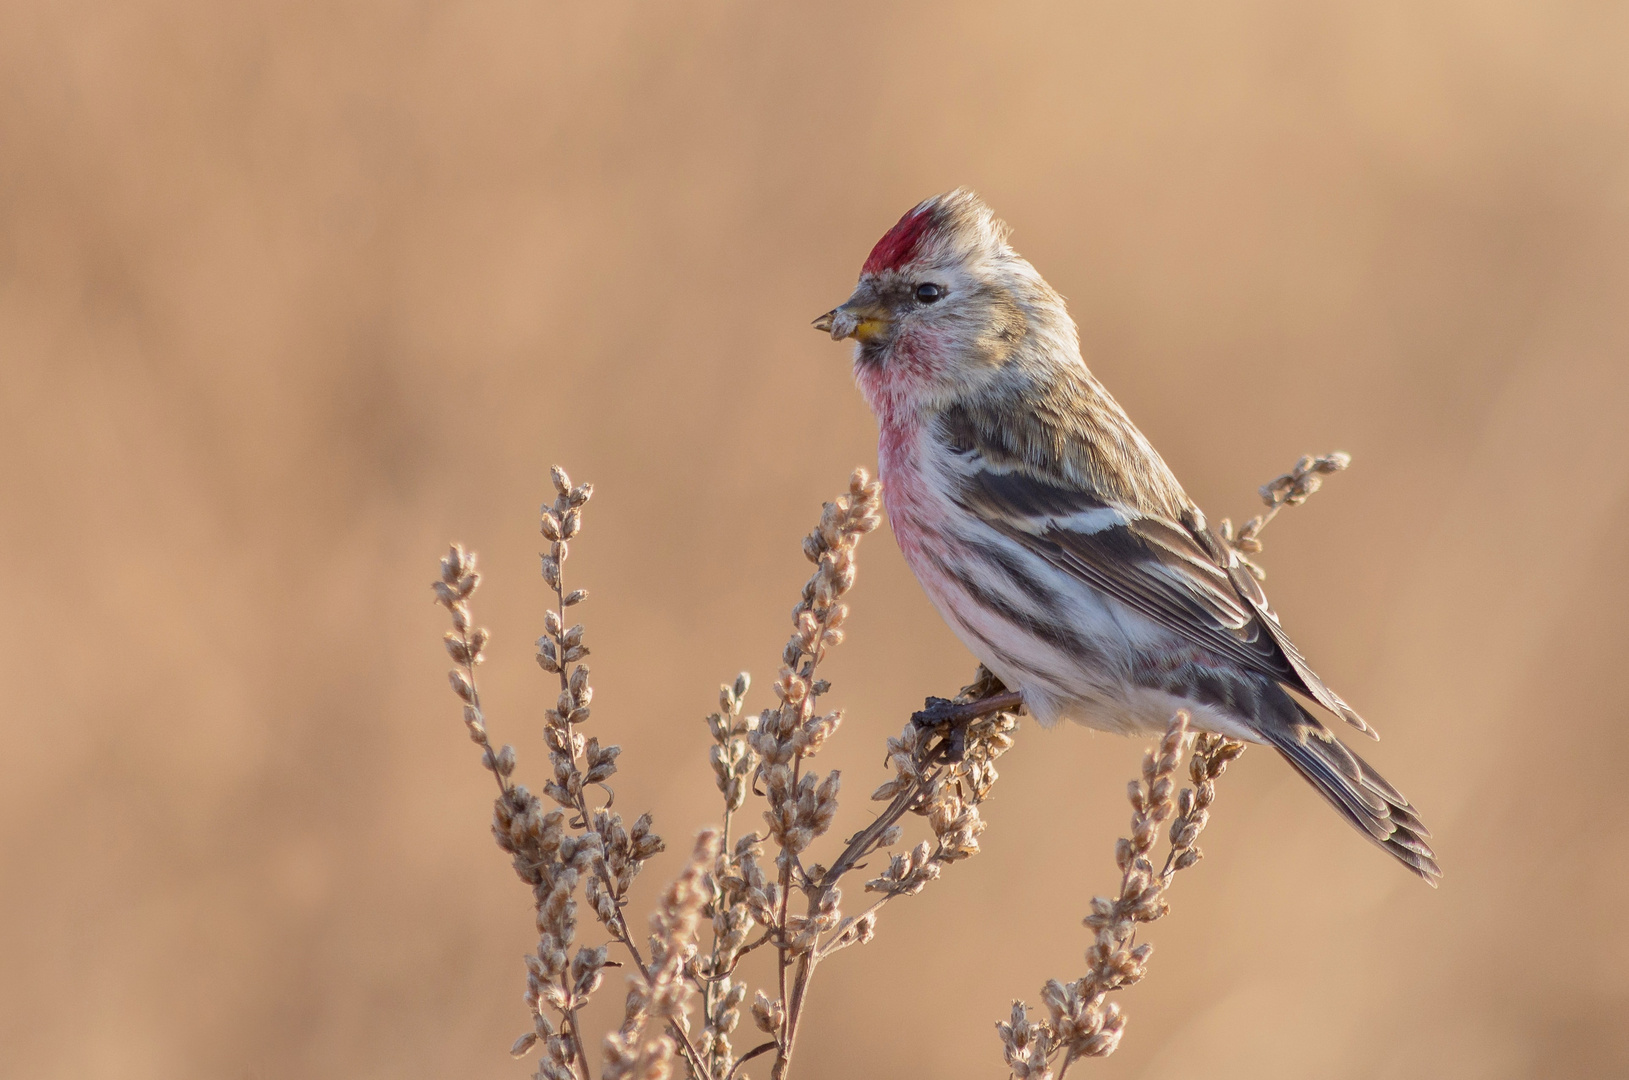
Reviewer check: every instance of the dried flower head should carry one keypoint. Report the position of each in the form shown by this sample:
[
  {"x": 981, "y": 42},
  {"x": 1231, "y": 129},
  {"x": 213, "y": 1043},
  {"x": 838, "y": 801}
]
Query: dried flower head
[
  {"x": 1292, "y": 489},
  {"x": 659, "y": 994},
  {"x": 1081, "y": 1021},
  {"x": 570, "y": 848}
]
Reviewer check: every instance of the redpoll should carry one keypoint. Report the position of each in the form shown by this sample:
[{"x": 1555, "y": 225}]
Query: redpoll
[{"x": 1049, "y": 533}]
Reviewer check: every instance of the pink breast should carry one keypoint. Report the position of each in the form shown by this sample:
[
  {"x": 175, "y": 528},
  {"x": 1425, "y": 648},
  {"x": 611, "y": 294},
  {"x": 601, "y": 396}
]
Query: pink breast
[{"x": 915, "y": 513}]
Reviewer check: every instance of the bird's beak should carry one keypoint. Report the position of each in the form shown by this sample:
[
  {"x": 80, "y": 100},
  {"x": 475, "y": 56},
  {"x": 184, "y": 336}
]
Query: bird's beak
[{"x": 860, "y": 321}]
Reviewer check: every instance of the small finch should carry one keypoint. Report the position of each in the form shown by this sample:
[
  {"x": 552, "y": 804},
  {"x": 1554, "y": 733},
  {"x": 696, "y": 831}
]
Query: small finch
[{"x": 1049, "y": 533}]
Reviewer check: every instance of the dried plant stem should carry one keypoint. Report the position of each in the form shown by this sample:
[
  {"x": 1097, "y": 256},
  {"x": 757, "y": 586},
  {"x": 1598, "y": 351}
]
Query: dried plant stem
[
  {"x": 1291, "y": 489},
  {"x": 617, "y": 923},
  {"x": 942, "y": 769},
  {"x": 862, "y": 844},
  {"x": 733, "y": 761},
  {"x": 935, "y": 771},
  {"x": 943, "y": 762},
  {"x": 761, "y": 1048},
  {"x": 867, "y": 840},
  {"x": 662, "y": 989},
  {"x": 555, "y": 851},
  {"x": 465, "y": 644},
  {"x": 798, "y": 812},
  {"x": 1082, "y": 1022}
]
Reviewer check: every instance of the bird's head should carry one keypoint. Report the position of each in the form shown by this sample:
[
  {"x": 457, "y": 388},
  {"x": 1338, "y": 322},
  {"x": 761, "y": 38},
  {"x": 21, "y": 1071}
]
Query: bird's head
[{"x": 945, "y": 306}]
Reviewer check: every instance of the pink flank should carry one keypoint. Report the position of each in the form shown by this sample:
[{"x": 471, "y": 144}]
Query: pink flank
[{"x": 899, "y": 245}]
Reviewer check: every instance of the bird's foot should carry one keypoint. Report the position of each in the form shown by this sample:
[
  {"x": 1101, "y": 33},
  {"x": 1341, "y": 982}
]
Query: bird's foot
[
  {"x": 942, "y": 714},
  {"x": 953, "y": 718}
]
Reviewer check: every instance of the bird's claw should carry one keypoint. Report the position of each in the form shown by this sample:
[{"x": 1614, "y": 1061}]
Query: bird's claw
[{"x": 938, "y": 713}]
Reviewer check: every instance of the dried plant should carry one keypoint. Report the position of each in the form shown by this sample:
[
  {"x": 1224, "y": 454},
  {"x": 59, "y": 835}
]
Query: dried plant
[
  {"x": 1081, "y": 1022},
  {"x": 942, "y": 772},
  {"x": 662, "y": 990},
  {"x": 1292, "y": 489},
  {"x": 573, "y": 844},
  {"x": 567, "y": 843}
]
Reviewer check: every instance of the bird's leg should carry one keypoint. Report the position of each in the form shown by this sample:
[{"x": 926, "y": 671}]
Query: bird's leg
[
  {"x": 954, "y": 717},
  {"x": 938, "y": 713}
]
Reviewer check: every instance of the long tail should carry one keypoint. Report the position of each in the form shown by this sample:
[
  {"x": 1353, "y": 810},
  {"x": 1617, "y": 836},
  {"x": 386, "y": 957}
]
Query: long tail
[{"x": 1354, "y": 789}]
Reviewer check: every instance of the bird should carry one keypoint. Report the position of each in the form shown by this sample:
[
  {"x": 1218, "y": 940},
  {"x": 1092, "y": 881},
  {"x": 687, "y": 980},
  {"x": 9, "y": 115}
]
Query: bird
[{"x": 1052, "y": 537}]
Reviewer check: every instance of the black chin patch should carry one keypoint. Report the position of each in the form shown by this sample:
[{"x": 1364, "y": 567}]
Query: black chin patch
[{"x": 872, "y": 353}]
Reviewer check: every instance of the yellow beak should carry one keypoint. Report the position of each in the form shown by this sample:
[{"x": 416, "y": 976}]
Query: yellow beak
[{"x": 860, "y": 322}]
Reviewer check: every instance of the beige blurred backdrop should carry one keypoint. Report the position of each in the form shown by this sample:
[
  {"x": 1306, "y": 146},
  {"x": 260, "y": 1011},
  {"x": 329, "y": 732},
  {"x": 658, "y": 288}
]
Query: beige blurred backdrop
[{"x": 293, "y": 293}]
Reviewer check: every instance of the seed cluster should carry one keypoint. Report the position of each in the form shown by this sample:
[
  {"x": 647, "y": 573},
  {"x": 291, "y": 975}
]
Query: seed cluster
[
  {"x": 1292, "y": 489},
  {"x": 950, "y": 792},
  {"x": 573, "y": 848},
  {"x": 1080, "y": 1021},
  {"x": 769, "y": 755},
  {"x": 568, "y": 846},
  {"x": 774, "y": 751},
  {"x": 802, "y": 805},
  {"x": 661, "y": 991}
]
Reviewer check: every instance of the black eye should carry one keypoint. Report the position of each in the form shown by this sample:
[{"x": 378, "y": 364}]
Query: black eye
[{"x": 929, "y": 292}]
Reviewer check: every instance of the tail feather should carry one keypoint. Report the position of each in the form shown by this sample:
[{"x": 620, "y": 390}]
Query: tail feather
[
  {"x": 1406, "y": 816},
  {"x": 1356, "y": 791}
]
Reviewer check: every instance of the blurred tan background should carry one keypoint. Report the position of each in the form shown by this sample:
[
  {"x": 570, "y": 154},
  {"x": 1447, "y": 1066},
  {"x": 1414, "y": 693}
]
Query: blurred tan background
[{"x": 291, "y": 294}]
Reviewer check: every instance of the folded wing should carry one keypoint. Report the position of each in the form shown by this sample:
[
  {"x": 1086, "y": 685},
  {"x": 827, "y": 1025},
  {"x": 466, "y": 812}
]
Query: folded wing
[{"x": 1178, "y": 574}]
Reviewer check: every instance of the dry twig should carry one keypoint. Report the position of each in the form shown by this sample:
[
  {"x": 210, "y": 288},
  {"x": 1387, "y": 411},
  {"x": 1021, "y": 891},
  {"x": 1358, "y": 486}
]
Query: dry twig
[
  {"x": 1292, "y": 489},
  {"x": 775, "y": 749},
  {"x": 576, "y": 844},
  {"x": 944, "y": 766},
  {"x": 1081, "y": 1022}
]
